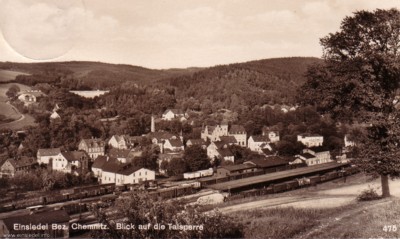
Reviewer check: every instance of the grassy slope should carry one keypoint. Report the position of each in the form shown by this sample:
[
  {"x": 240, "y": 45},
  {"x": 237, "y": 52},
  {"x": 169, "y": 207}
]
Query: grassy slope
[
  {"x": 6, "y": 75},
  {"x": 359, "y": 220}
]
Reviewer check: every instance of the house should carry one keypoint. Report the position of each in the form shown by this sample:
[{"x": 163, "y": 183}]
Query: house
[
  {"x": 272, "y": 135},
  {"x": 119, "y": 173},
  {"x": 55, "y": 116},
  {"x": 270, "y": 164},
  {"x": 97, "y": 166},
  {"x": 159, "y": 138},
  {"x": 173, "y": 145},
  {"x": 22, "y": 225},
  {"x": 44, "y": 156},
  {"x": 94, "y": 147},
  {"x": 71, "y": 162},
  {"x": 240, "y": 134},
  {"x": 121, "y": 142},
  {"x": 310, "y": 140},
  {"x": 230, "y": 170},
  {"x": 122, "y": 155},
  {"x": 322, "y": 154},
  {"x": 171, "y": 114},
  {"x": 213, "y": 133},
  {"x": 30, "y": 96},
  {"x": 347, "y": 142},
  {"x": 9, "y": 167},
  {"x": 315, "y": 156},
  {"x": 257, "y": 143},
  {"x": 199, "y": 142},
  {"x": 220, "y": 149}
]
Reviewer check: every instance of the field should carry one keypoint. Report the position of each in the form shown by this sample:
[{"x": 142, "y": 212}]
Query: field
[
  {"x": 10, "y": 112},
  {"x": 4, "y": 88},
  {"x": 6, "y": 75}
]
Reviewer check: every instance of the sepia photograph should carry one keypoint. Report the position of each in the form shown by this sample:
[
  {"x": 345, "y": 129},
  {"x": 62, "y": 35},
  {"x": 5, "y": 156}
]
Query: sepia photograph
[{"x": 200, "y": 119}]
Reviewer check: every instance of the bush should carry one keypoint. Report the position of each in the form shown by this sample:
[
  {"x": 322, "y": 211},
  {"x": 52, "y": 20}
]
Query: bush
[{"x": 368, "y": 195}]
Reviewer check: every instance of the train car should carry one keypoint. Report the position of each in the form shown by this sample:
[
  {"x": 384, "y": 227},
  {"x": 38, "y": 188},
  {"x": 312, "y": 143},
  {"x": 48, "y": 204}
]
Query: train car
[
  {"x": 280, "y": 187},
  {"x": 315, "y": 179},
  {"x": 292, "y": 185}
]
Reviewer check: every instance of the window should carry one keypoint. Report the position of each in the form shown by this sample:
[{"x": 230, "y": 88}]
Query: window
[
  {"x": 145, "y": 173},
  {"x": 140, "y": 173}
]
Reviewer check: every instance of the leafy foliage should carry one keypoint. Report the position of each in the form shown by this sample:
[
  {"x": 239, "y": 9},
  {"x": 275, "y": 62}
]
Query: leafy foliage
[
  {"x": 139, "y": 209},
  {"x": 359, "y": 82}
]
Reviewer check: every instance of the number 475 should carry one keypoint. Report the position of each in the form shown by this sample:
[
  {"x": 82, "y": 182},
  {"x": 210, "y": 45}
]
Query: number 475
[{"x": 389, "y": 228}]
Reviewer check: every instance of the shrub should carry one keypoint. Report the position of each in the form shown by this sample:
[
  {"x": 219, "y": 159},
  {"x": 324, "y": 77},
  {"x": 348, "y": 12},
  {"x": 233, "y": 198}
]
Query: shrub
[{"x": 368, "y": 195}]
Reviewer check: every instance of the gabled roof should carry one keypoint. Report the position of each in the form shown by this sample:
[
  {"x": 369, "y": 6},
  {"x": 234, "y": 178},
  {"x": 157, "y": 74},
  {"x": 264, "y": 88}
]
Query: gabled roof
[
  {"x": 174, "y": 111},
  {"x": 49, "y": 152},
  {"x": 119, "y": 153},
  {"x": 307, "y": 156},
  {"x": 196, "y": 141},
  {"x": 112, "y": 166},
  {"x": 22, "y": 162},
  {"x": 36, "y": 93},
  {"x": 225, "y": 152},
  {"x": 100, "y": 161},
  {"x": 91, "y": 143},
  {"x": 309, "y": 135},
  {"x": 175, "y": 142},
  {"x": 47, "y": 217},
  {"x": 74, "y": 155},
  {"x": 161, "y": 135},
  {"x": 318, "y": 149},
  {"x": 237, "y": 167},
  {"x": 237, "y": 129},
  {"x": 228, "y": 139},
  {"x": 272, "y": 161},
  {"x": 128, "y": 169},
  {"x": 260, "y": 138}
]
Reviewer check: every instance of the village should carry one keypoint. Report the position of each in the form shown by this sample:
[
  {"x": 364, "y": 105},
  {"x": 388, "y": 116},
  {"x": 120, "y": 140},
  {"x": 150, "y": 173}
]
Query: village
[{"x": 111, "y": 160}]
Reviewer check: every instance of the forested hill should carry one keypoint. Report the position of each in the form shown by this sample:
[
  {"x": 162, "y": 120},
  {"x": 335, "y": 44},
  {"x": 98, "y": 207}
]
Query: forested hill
[
  {"x": 95, "y": 75},
  {"x": 270, "y": 81}
]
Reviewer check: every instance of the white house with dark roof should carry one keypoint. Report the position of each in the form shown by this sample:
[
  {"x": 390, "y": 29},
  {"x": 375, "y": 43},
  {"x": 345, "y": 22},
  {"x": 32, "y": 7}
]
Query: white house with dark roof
[
  {"x": 272, "y": 135},
  {"x": 122, "y": 141},
  {"x": 171, "y": 114},
  {"x": 310, "y": 140},
  {"x": 30, "y": 96},
  {"x": 220, "y": 149},
  {"x": 71, "y": 162},
  {"x": 258, "y": 143},
  {"x": 315, "y": 156},
  {"x": 94, "y": 147},
  {"x": 9, "y": 167},
  {"x": 45, "y": 156},
  {"x": 213, "y": 133},
  {"x": 173, "y": 145},
  {"x": 120, "y": 173}
]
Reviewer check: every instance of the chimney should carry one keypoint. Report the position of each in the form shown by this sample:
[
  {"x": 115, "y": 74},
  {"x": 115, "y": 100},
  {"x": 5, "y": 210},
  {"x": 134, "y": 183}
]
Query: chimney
[{"x": 153, "y": 125}]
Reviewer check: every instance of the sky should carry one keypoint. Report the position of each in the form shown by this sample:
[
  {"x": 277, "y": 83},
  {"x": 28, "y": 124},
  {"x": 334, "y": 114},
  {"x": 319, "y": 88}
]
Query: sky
[{"x": 163, "y": 34}]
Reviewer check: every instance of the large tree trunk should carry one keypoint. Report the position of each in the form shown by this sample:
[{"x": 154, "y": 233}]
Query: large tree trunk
[{"x": 385, "y": 186}]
